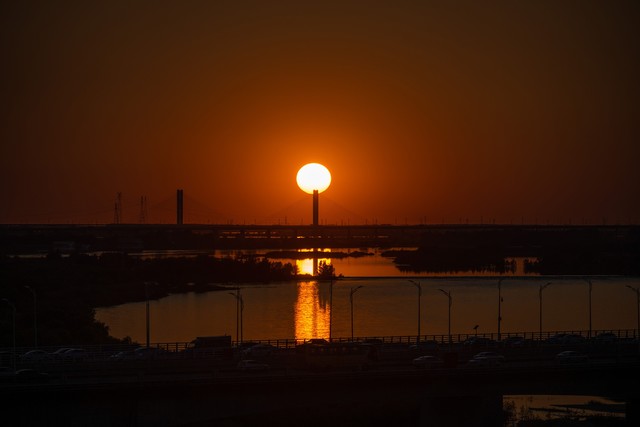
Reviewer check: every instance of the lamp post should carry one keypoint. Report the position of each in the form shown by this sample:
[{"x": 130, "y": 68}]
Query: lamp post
[
  {"x": 499, "y": 308},
  {"x": 353, "y": 291},
  {"x": 35, "y": 315},
  {"x": 419, "y": 287},
  {"x": 448, "y": 294},
  {"x": 590, "y": 289},
  {"x": 147, "y": 322},
  {"x": 330, "y": 307},
  {"x": 542, "y": 288},
  {"x": 637, "y": 291},
  {"x": 239, "y": 311},
  {"x": 13, "y": 323}
]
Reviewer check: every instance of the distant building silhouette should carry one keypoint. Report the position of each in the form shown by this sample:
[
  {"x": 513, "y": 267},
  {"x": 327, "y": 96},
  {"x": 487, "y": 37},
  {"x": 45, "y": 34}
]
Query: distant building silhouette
[{"x": 180, "y": 201}]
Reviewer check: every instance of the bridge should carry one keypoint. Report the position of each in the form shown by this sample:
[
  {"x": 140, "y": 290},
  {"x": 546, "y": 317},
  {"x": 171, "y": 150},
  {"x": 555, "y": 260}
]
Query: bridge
[
  {"x": 181, "y": 389},
  {"x": 17, "y": 238}
]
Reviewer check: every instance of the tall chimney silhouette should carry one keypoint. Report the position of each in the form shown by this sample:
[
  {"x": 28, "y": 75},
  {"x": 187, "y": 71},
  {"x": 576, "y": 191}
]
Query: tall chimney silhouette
[
  {"x": 180, "y": 201},
  {"x": 315, "y": 207}
]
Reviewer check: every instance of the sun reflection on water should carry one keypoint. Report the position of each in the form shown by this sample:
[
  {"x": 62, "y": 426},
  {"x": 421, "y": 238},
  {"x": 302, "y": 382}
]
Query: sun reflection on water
[
  {"x": 306, "y": 266},
  {"x": 311, "y": 313},
  {"x": 310, "y": 265}
]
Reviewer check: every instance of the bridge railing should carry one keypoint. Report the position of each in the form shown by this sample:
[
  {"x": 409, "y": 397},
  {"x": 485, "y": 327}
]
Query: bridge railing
[{"x": 106, "y": 350}]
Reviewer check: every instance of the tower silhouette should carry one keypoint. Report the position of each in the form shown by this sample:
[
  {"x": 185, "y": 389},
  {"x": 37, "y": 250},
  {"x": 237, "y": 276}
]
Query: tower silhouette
[
  {"x": 117, "y": 210},
  {"x": 179, "y": 202},
  {"x": 143, "y": 209}
]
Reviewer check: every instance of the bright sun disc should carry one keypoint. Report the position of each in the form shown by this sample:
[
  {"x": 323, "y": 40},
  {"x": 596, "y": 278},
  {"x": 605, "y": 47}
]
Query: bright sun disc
[{"x": 313, "y": 176}]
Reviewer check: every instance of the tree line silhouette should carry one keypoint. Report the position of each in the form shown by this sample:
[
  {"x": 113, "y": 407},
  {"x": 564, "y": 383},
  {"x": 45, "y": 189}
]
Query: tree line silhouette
[
  {"x": 587, "y": 251},
  {"x": 69, "y": 288}
]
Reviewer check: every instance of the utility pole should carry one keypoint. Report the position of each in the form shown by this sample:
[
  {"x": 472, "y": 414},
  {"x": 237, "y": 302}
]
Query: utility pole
[
  {"x": 419, "y": 287},
  {"x": 35, "y": 315},
  {"x": 448, "y": 294},
  {"x": 542, "y": 288},
  {"x": 13, "y": 323},
  {"x": 146, "y": 294},
  {"x": 637, "y": 291},
  {"x": 239, "y": 312},
  {"x": 353, "y": 291},
  {"x": 499, "y": 308},
  {"x": 590, "y": 291},
  {"x": 330, "y": 307}
]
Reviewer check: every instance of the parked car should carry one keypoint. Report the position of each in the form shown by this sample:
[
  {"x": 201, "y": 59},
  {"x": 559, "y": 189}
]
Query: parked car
[
  {"x": 427, "y": 362},
  {"x": 556, "y": 339},
  {"x": 35, "y": 356},
  {"x": 573, "y": 339},
  {"x": 606, "y": 338},
  {"x": 74, "y": 354},
  {"x": 6, "y": 374},
  {"x": 425, "y": 346},
  {"x": 59, "y": 353},
  {"x": 247, "y": 365},
  {"x": 124, "y": 355},
  {"x": 30, "y": 375},
  {"x": 571, "y": 357},
  {"x": 487, "y": 358},
  {"x": 149, "y": 353},
  {"x": 514, "y": 341},
  {"x": 478, "y": 342},
  {"x": 259, "y": 350}
]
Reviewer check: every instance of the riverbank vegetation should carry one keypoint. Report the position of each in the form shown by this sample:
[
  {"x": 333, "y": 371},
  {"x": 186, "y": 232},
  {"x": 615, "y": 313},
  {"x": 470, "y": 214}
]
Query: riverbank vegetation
[
  {"x": 572, "y": 252},
  {"x": 67, "y": 289}
]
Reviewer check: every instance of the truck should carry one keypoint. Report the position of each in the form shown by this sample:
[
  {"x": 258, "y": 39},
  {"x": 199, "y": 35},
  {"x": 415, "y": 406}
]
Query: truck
[{"x": 212, "y": 346}]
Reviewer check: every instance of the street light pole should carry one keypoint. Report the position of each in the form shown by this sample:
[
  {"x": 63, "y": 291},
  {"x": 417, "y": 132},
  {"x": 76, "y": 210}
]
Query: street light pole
[
  {"x": 499, "y": 308},
  {"x": 637, "y": 291},
  {"x": 542, "y": 288},
  {"x": 448, "y": 294},
  {"x": 146, "y": 294},
  {"x": 330, "y": 307},
  {"x": 239, "y": 311},
  {"x": 13, "y": 322},
  {"x": 35, "y": 315},
  {"x": 590, "y": 289},
  {"x": 419, "y": 287},
  {"x": 353, "y": 291}
]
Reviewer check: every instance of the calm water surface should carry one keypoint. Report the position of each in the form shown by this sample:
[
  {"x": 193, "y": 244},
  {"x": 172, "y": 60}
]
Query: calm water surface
[{"x": 386, "y": 304}]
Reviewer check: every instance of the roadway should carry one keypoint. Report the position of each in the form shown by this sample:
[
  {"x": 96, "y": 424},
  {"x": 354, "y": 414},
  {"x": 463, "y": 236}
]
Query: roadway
[{"x": 176, "y": 389}]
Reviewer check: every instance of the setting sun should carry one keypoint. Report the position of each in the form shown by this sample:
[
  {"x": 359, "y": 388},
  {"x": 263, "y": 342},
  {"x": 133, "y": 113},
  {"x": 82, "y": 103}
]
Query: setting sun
[{"x": 313, "y": 176}]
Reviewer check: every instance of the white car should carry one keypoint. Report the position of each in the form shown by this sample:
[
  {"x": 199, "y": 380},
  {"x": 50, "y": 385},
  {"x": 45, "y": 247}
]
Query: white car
[
  {"x": 487, "y": 358},
  {"x": 427, "y": 362},
  {"x": 571, "y": 357}
]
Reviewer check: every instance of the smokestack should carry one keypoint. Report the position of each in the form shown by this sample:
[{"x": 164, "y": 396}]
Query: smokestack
[
  {"x": 180, "y": 198},
  {"x": 315, "y": 207}
]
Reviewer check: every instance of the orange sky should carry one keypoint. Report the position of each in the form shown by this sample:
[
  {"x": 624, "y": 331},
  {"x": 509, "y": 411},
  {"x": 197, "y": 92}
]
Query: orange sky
[{"x": 423, "y": 111}]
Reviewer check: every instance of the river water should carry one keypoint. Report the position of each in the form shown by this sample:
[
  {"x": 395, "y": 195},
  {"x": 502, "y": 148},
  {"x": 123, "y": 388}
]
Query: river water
[{"x": 385, "y": 302}]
